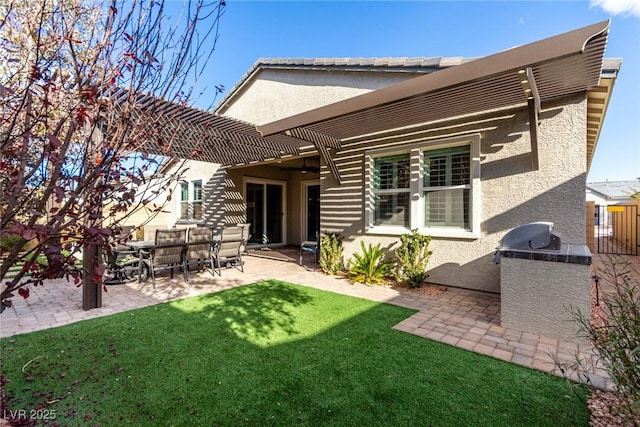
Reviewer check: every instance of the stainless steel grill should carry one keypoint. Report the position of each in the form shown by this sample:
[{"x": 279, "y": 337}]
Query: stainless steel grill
[{"x": 532, "y": 237}]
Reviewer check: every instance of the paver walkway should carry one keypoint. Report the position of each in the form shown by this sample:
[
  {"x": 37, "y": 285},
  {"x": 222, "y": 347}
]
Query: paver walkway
[{"x": 463, "y": 318}]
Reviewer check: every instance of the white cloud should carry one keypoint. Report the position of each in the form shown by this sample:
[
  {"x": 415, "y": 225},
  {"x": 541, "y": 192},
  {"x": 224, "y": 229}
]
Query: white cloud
[{"x": 616, "y": 7}]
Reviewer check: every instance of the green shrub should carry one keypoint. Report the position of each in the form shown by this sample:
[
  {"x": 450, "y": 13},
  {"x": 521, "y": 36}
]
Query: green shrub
[
  {"x": 412, "y": 258},
  {"x": 331, "y": 256},
  {"x": 370, "y": 267},
  {"x": 8, "y": 241}
]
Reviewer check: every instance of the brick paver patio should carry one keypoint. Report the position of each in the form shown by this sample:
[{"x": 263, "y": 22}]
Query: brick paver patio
[{"x": 462, "y": 318}]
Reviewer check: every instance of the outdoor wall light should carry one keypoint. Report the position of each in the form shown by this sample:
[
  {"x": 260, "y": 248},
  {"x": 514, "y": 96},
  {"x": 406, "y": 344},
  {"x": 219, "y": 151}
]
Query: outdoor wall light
[{"x": 597, "y": 280}]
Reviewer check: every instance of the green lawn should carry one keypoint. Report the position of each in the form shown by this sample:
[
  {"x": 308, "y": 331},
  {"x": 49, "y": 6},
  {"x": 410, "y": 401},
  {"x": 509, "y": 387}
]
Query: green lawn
[{"x": 271, "y": 353}]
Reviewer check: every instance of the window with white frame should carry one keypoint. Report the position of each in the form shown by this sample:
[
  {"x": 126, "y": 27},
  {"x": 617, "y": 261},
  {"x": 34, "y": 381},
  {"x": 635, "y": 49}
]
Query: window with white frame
[
  {"x": 434, "y": 187},
  {"x": 191, "y": 200},
  {"x": 391, "y": 190},
  {"x": 446, "y": 186}
]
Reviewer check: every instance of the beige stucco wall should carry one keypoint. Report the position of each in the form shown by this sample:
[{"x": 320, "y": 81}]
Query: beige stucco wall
[
  {"x": 275, "y": 94},
  {"x": 511, "y": 192},
  {"x": 540, "y": 296},
  {"x": 213, "y": 183},
  {"x": 149, "y": 222},
  {"x": 267, "y": 96}
]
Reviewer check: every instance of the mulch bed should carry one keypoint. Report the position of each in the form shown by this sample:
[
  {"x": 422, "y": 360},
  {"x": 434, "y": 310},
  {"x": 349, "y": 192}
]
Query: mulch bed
[{"x": 428, "y": 289}]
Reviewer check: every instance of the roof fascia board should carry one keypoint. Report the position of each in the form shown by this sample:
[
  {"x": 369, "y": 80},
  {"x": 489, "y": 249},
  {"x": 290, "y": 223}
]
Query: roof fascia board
[
  {"x": 517, "y": 58},
  {"x": 607, "y": 99},
  {"x": 598, "y": 193}
]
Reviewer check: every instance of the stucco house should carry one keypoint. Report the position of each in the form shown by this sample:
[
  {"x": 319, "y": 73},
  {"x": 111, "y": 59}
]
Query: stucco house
[{"x": 462, "y": 150}]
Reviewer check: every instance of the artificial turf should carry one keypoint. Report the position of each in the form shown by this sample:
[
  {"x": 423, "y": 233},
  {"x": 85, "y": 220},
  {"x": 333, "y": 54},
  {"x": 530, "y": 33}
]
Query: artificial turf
[{"x": 271, "y": 353}]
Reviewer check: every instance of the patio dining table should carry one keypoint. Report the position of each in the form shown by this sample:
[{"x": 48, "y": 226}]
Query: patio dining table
[{"x": 143, "y": 247}]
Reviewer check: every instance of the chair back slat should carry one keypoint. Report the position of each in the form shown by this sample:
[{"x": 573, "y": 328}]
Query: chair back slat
[
  {"x": 172, "y": 254},
  {"x": 199, "y": 251},
  {"x": 231, "y": 233},
  {"x": 229, "y": 248}
]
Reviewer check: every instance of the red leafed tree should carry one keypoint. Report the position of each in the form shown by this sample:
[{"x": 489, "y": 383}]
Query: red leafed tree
[{"x": 73, "y": 125}]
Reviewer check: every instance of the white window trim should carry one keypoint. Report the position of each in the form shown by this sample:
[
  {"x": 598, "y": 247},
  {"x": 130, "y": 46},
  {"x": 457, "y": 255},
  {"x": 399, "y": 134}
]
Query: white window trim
[
  {"x": 392, "y": 191},
  {"x": 190, "y": 200},
  {"x": 417, "y": 189}
]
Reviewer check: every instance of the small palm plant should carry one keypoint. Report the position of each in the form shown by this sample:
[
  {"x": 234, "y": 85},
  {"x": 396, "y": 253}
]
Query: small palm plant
[{"x": 370, "y": 267}]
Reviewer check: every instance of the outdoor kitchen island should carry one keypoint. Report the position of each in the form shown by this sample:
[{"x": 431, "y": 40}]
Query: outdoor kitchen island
[{"x": 542, "y": 282}]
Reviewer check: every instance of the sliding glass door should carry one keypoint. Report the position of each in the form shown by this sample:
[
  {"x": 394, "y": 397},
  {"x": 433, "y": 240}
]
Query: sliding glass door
[{"x": 265, "y": 211}]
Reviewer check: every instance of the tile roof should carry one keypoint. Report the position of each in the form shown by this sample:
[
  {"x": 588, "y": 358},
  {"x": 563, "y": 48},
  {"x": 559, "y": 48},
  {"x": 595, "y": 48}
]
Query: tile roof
[{"x": 389, "y": 62}]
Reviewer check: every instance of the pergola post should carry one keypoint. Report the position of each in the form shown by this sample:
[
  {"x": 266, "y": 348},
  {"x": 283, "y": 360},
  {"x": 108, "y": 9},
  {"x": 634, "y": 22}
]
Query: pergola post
[
  {"x": 91, "y": 257},
  {"x": 91, "y": 287}
]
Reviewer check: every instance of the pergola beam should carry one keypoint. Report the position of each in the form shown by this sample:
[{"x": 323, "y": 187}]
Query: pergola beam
[
  {"x": 322, "y": 142},
  {"x": 181, "y": 131},
  {"x": 533, "y": 104}
]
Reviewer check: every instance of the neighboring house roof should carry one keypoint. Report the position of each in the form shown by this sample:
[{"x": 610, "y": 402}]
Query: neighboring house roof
[
  {"x": 614, "y": 190},
  {"x": 419, "y": 65}
]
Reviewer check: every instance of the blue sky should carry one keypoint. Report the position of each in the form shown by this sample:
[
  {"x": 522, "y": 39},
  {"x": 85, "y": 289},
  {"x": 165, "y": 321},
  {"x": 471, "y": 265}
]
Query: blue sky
[{"x": 251, "y": 29}]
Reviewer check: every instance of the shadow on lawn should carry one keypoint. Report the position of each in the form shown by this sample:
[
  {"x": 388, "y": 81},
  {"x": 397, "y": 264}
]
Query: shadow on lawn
[{"x": 254, "y": 311}]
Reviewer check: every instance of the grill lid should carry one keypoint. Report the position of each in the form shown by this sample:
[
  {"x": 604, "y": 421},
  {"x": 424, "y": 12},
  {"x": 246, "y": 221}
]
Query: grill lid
[
  {"x": 532, "y": 236},
  {"x": 535, "y": 236}
]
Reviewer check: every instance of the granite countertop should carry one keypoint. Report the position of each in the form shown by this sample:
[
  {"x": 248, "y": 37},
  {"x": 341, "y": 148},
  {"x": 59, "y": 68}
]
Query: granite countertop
[{"x": 568, "y": 252}]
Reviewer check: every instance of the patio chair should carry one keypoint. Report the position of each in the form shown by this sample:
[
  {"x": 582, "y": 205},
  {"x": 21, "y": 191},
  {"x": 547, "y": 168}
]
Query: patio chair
[
  {"x": 167, "y": 253},
  {"x": 228, "y": 250},
  {"x": 121, "y": 261},
  {"x": 198, "y": 253},
  {"x": 246, "y": 235},
  {"x": 310, "y": 246}
]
